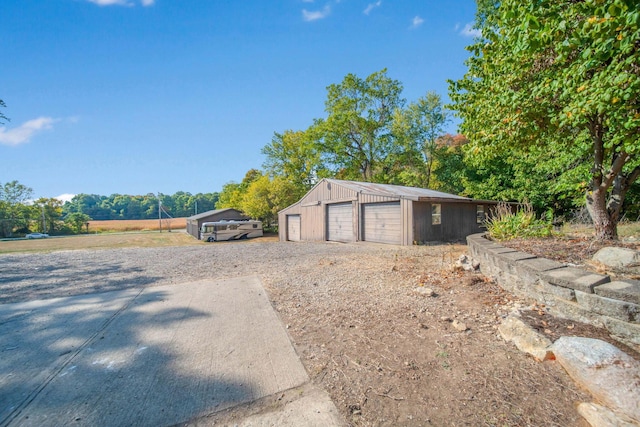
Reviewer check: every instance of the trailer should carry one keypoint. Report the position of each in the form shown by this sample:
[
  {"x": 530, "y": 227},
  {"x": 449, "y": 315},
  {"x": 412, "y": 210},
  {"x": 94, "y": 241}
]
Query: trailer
[{"x": 235, "y": 229}]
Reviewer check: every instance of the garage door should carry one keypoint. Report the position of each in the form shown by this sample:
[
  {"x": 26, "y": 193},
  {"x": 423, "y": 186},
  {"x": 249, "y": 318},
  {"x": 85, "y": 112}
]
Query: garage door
[
  {"x": 340, "y": 222},
  {"x": 382, "y": 223},
  {"x": 293, "y": 228}
]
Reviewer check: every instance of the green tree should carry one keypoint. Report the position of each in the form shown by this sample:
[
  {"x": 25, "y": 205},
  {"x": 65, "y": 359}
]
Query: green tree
[
  {"x": 416, "y": 129},
  {"x": 124, "y": 206},
  {"x": 77, "y": 221},
  {"x": 559, "y": 74},
  {"x": 150, "y": 206},
  {"x": 294, "y": 156},
  {"x": 257, "y": 201},
  {"x": 283, "y": 193},
  {"x": 47, "y": 214},
  {"x": 203, "y": 201},
  {"x": 355, "y": 140},
  {"x": 97, "y": 207},
  {"x": 232, "y": 193},
  {"x": 449, "y": 169},
  {"x": 14, "y": 213}
]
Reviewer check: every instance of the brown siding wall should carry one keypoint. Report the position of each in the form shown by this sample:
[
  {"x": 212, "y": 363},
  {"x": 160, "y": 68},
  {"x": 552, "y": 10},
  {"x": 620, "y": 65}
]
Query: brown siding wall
[
  {"x": 313, "y": 223},
  {"x": 423, "y": 231},
  {"x": 282, "y": 220},
  {"x": 313, "y": 210},
  {"x": 408, "y": 232},
  {"x": 458, "y": 221}
]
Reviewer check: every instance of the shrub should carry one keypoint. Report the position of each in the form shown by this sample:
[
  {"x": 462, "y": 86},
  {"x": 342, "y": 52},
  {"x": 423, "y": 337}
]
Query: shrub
[{"x": 505, "y": 224}]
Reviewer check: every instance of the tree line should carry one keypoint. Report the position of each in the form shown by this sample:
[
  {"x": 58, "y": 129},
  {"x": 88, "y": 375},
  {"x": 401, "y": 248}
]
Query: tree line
[
  {"x": 20, "y": 213},
  {"x": 123, "y": 206}
]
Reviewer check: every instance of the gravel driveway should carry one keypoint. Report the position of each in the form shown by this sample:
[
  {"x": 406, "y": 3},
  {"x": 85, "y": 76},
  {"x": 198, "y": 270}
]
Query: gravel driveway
[
  {"x": 386, "y": 349},
  {"x": 45, "y": 275}
]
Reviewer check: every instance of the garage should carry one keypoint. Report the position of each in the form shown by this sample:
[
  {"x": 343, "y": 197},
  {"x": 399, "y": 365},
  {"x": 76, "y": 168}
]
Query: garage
[
  {"x": 340, "y": 222},
  {"x": 293, "y": 228},
  {"x": 382, "y": 223},
  {"x": 351, "y": 211}
]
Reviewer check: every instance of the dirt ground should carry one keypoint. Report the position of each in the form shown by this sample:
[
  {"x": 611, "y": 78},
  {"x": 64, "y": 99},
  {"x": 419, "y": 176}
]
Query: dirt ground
[{"x": 396, "y": 355}]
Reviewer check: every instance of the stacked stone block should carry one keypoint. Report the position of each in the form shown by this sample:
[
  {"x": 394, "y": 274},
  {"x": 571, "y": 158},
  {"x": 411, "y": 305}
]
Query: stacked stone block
[{"x": 568, "y": 292}]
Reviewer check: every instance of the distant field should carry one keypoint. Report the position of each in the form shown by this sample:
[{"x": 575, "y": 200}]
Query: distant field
[
  {"x": 627, "y": 229},
  {"x": 137, "y": 225},
  {"x": 134, "y": 239},
  {"x": 111, "y": 234}
]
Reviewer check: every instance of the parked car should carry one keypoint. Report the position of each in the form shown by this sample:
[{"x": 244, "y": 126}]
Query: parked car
[{"x": 36, "y": 236}]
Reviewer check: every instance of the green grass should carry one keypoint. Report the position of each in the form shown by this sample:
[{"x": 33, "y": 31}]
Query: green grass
[
  {"x": 100, "y": 241},
  {"x": 140, "y": 239},
  {"x": 625, "y": 230}
]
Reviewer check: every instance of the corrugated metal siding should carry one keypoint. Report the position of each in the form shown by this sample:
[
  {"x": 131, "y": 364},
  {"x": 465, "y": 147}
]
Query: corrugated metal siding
[
  {"x": 327, "y": 192},
  {"x": 458, "y": 221},
  {"x": 369, "y": 198},
  {"x": 382, "y": 222},
  {"x": 312, "y": 219},
  {"x": 422, "y": 229},
  {"x": 407, "y": 222},
  {"x": 282, "y": 220},
  {"x": 340, "y": 222},
  {"x": 293, "y": 228},
  {"x": 313, "y": 211}
]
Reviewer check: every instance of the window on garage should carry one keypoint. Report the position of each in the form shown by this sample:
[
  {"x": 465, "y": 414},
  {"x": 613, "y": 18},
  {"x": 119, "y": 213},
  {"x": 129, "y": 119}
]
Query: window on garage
[
  {"x": 436, "y": 214},
  {"x": 480, "y": 217}
]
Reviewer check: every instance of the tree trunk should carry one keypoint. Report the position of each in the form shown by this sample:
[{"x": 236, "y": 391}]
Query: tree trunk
[{"x": 605, "y": 226}]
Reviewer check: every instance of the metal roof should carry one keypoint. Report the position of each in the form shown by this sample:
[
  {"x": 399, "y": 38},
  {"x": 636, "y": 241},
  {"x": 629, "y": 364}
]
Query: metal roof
[
  {"x": 388, "y": 190},
  {"x": 213, "y": 212}
]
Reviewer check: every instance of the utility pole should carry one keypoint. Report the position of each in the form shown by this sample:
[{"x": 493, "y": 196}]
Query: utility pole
[
  {"x": 44, "y": 221},
  {"x": 160, "y": 212},
  {"x": 196, "y": 207}
]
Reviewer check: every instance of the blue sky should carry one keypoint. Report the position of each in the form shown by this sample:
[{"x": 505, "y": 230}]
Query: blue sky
[{"x": 147, "y": 96}]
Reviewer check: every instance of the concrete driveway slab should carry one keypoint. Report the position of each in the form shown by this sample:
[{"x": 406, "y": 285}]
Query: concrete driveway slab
[{"x": 149, "y": 357}]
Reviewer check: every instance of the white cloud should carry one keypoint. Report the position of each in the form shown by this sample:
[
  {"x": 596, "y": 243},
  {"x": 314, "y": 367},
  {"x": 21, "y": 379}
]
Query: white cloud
[
  {"x": 307, "y": 1},
  {"x": 23, "y": 133},
  {"x": 315, "y": 15},
  {"x": 372, "y": 6},
  {"x": 144, "y": 3},
  {"x": 66, "y": 197},
  {"x": 469, "y": 31},
  {"x": 109, "y": 2},
  {"x": 416, "y": 22}
]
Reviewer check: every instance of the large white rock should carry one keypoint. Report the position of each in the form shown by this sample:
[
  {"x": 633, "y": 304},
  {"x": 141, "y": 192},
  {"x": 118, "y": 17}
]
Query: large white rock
[
  {"x": 599, "y": 416},
  {"x": 609, "y": 374},
  {"x": 618, "y": 258},
  {"x": 525, "y": 338}
]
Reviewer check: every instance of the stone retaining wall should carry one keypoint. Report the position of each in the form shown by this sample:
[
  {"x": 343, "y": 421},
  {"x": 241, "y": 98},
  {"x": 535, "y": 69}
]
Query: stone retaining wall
[{"x": 567, "y": 292}]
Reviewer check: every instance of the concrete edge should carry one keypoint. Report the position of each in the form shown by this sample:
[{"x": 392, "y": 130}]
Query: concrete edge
[{"x": 281, "y": 409}]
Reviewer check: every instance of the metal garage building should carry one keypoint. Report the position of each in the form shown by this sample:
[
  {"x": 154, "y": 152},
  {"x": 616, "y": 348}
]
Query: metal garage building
[
  {"x": 194, "y": 222},
  {"x": 350, "y": 211}
]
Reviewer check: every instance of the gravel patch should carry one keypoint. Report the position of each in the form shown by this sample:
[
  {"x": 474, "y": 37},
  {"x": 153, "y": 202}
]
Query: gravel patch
[{"x": 46, "y": 275}]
